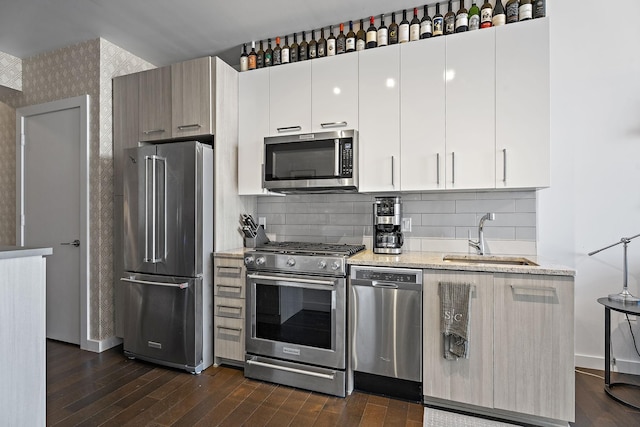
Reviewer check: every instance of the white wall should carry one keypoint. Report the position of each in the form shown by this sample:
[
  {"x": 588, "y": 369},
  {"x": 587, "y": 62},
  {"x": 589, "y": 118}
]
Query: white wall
[{"x": 594, "y": 198}]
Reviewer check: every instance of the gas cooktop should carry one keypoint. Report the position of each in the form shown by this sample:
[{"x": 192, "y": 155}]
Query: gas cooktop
[{"x": 309, "y": 248}]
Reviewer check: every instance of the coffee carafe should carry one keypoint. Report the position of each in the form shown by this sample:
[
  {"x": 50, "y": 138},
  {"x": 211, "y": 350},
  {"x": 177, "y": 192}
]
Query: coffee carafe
[{"x": 387, "y": 225}]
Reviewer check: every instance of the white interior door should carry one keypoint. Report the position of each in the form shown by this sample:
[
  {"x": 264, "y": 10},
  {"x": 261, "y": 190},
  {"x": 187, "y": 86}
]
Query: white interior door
[{"x": 51, "y": 205}]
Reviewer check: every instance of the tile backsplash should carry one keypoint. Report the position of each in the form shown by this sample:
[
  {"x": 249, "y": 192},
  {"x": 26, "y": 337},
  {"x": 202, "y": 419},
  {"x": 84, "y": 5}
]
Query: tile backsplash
[{"x": 439, "y": 221}]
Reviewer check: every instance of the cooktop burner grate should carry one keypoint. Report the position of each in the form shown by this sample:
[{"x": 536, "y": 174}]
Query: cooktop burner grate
[{"x": 310, "y": 248}]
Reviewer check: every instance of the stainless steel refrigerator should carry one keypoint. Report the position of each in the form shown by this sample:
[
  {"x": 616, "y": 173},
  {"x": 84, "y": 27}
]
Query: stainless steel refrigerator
[{"x": 168, "y": 241}]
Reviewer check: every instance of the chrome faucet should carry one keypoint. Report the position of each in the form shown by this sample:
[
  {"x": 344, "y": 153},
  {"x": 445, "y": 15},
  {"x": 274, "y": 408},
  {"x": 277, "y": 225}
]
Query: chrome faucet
[{"x": 479, "y": 244}]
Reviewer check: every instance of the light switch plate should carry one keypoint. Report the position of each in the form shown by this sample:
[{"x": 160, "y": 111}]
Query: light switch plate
[
  {"x": 262, "y": 221},
  {"x": 406, "y": 224}
]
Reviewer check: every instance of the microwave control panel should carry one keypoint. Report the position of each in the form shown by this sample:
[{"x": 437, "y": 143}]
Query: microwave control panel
[{"x": 346, "y": 169}]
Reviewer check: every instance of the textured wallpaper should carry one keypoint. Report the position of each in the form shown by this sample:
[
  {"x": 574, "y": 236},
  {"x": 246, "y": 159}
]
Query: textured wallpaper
[
  {"x": 84, "y": 68},
  {"x": 10, "y": 71}
]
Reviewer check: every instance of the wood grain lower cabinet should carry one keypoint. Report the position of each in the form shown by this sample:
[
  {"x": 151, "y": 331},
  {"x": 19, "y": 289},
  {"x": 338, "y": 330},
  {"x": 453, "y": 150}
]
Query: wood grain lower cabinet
[
  {"x": 533, "y": 339},
  {"x": 521, "y": 354},
  {"x": 229, "y": 310},
  {"x": 469, "y": 380}
]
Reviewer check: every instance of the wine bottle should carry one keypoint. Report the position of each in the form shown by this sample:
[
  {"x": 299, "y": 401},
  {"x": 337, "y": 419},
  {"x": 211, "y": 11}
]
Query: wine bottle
[
  {"x": 313, "y": 46},
  {"x": 525, "y": 11},
  {"x": 449, "y": 21},
  {"x": 486, "y": 13},
  {"x": 331, "y": 42},
  {"x": 341, "y": 41},
  {"x": 293, "y": 49},
  {"x": 303, "y": 49},
  {"x": 322, "y": 45},
  {"x": 539, "y": 8},
  {"x": 393, "y": 30},
  {"x": 260, "y": 57},
  {"x": 512, "y": 11},
  {"x": 285, "y": 53},
  {"x": 474, "y": 17},
  {"x": 438, "y": 22},
  {"x": 462, "y": 18},
  {"x": 268, "y": 55},
  {"x": 499, "y": 18},
  {"x": 252, "y": 56},
  {"x": 372, "y": 34},
  {"x": 426, "y": 24},
  {"x": 414, "y": 26},
  {"x": 403, "y": 28},
  {"x": 383, "y": 33},
  {"x": 350, "y": 43},
  {"x": 361, "y": 37},
  {"x": 244, "y": 58},
  {"x": 276, "y": 59}
]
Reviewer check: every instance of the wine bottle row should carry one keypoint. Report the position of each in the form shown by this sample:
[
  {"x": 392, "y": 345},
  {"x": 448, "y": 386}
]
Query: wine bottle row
[{"x": 452, "y": 22}]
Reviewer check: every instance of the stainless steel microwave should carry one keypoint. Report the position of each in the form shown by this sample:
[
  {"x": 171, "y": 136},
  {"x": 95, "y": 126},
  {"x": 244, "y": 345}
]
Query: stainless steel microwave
[{"x": 324, "y": 162}]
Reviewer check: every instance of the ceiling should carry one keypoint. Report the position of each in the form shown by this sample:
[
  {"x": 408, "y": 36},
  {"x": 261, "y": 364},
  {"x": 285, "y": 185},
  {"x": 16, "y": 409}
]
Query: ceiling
[{"x": 167, "y": 31}]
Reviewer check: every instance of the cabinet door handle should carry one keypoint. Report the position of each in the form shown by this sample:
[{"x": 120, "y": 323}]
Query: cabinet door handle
[
  {"x": 149, "y": 132},
  {"x": 236, "y": 270},
  {"x": 239, "y": 288},
  {"x": 453, "y": 167},
  {"x": 437, "y": 168},
  {"x": 533, "y": 288},
  {"x": 333, "y": 124},
  {"x": 230, "y": 307},
  {"x": 230, "y": 329},
  {"x": 504, "y": 165},
  {"x": 392, "y": 171},
  {"x": 289, "y": 129},
  {"x": 184, "y": 127}
]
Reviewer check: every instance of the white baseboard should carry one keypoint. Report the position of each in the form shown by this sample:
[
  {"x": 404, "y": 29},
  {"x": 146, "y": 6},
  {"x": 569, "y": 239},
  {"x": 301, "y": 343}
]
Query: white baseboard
[
  {"x": 594, "y": 362},
  {"x": 98, "y": 346}
]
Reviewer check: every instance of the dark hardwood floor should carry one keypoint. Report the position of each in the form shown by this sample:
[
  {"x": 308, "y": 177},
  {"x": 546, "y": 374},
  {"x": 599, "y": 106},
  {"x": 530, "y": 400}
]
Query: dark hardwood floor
[{"x": 107, "y": 389}]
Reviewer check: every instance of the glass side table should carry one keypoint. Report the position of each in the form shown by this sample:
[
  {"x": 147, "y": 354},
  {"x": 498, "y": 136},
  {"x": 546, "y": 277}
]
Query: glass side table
[{"x": 621, "y": 307}]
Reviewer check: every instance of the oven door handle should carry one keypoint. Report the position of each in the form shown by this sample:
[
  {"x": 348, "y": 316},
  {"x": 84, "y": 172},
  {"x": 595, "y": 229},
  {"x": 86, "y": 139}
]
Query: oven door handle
[
  {"x": 293, "y": 370},
  {"x": 323, "y": 283}
]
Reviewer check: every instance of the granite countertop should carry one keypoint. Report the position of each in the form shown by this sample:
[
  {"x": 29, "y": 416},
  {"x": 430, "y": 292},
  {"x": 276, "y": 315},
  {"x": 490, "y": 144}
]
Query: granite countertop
[
  {"x": 434, "y": 260},
  {"x": 8, "y": 252}
]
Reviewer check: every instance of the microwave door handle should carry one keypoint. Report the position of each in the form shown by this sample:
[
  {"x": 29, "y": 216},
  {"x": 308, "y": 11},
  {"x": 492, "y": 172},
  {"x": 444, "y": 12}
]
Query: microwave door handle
[{"x": 337, "y": 157}]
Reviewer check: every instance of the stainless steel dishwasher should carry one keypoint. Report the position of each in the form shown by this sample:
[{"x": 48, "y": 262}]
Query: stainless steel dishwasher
[{"x": 385, "y": 330}]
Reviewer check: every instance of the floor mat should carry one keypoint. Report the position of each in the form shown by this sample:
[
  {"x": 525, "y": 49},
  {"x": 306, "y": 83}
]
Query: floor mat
[{"x": 437, "y": 418}]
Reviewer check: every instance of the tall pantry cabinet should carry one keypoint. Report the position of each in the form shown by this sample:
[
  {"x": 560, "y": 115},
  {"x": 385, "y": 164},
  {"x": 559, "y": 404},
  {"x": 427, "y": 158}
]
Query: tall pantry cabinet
[{"x": 204, "y": 106}]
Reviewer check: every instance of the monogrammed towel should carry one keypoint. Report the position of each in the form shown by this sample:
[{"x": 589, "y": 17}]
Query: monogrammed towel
[{"x": 455, "y": 308}]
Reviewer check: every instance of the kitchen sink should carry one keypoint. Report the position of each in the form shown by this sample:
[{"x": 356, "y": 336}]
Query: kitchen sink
[{"x": 488, "y": 259}]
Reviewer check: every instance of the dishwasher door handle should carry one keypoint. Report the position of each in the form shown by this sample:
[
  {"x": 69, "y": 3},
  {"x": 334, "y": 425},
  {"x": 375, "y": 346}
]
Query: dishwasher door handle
[{"x": 377, "y": 284}]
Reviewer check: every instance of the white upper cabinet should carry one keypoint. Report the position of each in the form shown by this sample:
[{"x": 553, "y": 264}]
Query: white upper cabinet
[
  {"x": 290, "y": 98},
  {"x": 379, "y": 119},
  {"x": 470, "y": 110},
  {"x": 253, "y": 127},
  {"x": 422, "y": 115},
  {"x": 522, "y": 105},
  {"x": 334, "y": 93}
]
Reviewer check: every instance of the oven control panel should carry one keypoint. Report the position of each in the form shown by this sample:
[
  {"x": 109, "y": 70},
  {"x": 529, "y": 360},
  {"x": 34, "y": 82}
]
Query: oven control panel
[{"x": 296, "y": 263}]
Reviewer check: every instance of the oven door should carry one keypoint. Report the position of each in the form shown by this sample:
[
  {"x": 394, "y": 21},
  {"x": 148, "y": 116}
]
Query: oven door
[{"x": 297, "y": 318}]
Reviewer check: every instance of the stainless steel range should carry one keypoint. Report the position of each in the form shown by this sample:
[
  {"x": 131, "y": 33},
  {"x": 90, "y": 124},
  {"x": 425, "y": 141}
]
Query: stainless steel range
[{"x": 297, "y": 311}]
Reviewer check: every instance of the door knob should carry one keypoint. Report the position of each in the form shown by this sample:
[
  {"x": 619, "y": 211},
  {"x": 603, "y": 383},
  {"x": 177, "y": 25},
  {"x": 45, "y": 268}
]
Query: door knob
[{"x": 75, "y": 243}]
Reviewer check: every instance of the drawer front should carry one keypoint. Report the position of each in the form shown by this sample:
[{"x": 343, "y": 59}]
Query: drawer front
[
  {"x": 229, "y": 307},
  {"x": 229, "y": 277},
  {"x": 229, "y": 340}
]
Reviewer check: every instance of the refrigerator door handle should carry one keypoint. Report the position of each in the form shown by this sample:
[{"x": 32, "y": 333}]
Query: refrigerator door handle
[
  {"x": 154, "y": 209},
  {"x": 184, "y": 285},
  {"x": 163, "y": 209}
]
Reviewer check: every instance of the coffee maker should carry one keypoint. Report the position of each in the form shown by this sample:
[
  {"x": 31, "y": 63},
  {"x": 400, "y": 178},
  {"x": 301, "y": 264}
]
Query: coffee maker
[{"x": 387, "y": 225}]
